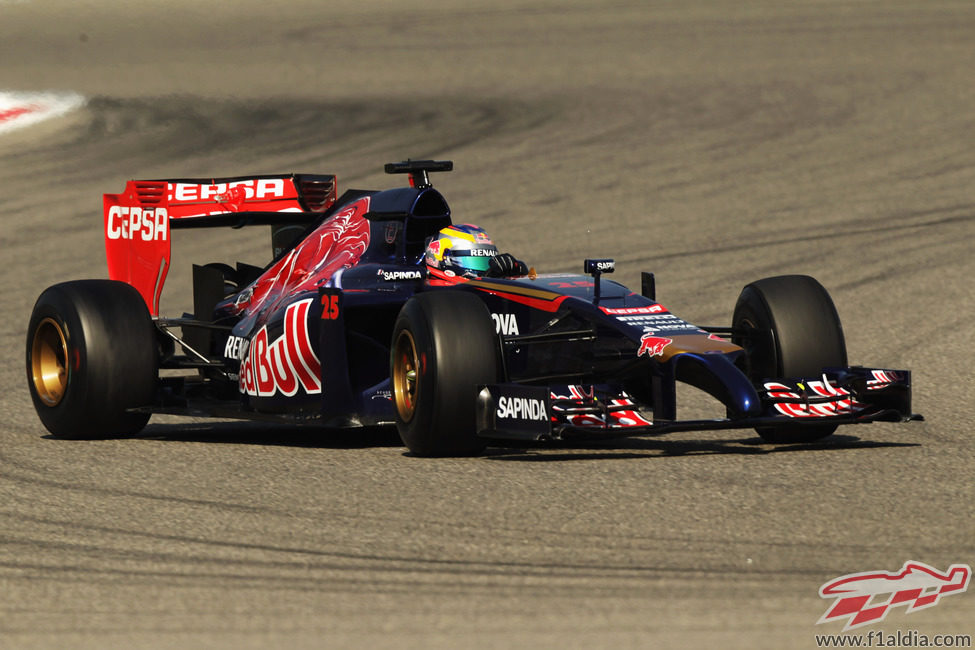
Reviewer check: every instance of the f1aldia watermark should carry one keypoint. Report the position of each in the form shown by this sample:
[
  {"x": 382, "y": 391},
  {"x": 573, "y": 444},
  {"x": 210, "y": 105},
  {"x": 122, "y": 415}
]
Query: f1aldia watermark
[
  {"x": 898, "y": 639},
  {"x": 864, "y": 598}
]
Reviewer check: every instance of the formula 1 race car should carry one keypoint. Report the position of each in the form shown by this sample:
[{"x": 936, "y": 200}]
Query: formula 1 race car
[{"x": 344, "y": 328}]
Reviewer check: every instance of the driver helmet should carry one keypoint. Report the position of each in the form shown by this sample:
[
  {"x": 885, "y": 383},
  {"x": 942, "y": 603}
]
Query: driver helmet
[{"x": 460, "y": 251}]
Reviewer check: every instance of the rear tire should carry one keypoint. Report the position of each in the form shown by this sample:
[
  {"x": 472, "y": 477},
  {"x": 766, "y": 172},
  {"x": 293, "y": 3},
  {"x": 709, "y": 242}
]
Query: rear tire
[
  {"x": 795, "y": 331},
  {"x": 443, "y": 346},
  {"x": 91, "y": 356}
]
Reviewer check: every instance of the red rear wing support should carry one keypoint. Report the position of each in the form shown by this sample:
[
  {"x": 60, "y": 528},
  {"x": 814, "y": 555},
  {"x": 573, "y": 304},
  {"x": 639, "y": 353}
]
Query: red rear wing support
[{"x": 137, "y": 221}]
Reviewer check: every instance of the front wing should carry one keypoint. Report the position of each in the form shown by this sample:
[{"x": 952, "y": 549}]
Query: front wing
[{"x": 854, "y": 395}]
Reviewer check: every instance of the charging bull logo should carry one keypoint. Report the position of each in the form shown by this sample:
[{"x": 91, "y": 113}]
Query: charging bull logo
[
  {"x": 916, "y": 585},
  {"x": 285, "y": 364},
  {"x": 653, "y": 346}
]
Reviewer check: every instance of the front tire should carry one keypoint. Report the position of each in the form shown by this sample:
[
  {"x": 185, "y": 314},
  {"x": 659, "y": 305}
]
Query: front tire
[
  {"x": 791, "y": 329},
  {"x": 443, "y": 346},
  {"x": 91, "y": 356}
]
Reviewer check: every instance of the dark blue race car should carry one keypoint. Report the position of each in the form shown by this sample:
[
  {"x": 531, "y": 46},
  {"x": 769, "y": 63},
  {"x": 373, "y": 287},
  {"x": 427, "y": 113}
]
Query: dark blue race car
[{"x": 377, "y": 308}]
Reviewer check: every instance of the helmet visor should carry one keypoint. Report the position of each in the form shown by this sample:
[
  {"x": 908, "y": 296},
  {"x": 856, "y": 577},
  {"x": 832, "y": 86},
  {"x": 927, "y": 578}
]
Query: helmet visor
[{"x": 473, "y": 259}]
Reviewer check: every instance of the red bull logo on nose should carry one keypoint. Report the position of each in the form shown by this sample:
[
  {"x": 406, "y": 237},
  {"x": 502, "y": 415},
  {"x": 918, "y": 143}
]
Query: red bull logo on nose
[{"x": 653, "y": 346}]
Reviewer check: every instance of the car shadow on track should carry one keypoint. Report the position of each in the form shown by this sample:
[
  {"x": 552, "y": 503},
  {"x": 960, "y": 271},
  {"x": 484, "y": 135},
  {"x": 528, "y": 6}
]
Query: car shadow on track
[
  {"x": 255, "y": 433},
  {"x": 251, "y": 433},
  {"x": 658, "y": 448}
]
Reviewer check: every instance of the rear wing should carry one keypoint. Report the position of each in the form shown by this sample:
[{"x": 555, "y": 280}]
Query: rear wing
[{"x": 138, "y": 221}]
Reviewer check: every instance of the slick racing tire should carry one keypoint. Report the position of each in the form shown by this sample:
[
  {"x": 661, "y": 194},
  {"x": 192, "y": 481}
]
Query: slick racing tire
[
  {"x": 91, "y": 356},
  {"x": 443, "y": 345},
  {"x": 792, "y": 330}
]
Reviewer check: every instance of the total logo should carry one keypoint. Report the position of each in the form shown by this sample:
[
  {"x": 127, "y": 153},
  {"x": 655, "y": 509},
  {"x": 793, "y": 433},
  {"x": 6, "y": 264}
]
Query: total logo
[
  {"x": 521, "y": 408},
  {"x": 147, "y": 224},
  {"x": 285, "y": 364}
]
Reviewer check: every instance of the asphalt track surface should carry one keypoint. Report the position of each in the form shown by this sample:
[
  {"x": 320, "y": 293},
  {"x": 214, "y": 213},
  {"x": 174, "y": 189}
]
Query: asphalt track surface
[{"x": 713, "y": 143}]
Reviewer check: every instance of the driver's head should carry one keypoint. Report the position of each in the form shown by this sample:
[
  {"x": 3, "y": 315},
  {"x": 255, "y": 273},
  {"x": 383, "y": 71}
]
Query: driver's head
[{"x": 460, "y": 251}]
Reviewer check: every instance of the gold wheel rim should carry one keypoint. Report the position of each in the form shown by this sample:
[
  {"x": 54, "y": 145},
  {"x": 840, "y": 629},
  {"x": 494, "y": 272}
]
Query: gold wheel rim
[
  {"x": 405, "y": 367},
  {"x": 49, "y": 361}
]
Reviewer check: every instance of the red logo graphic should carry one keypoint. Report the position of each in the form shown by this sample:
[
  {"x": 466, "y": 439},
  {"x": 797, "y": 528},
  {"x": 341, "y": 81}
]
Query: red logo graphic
[
  {"x": 916, "y": 585},
  {"x": 286, "y": 363},
  {"x": 653, "y": 346},
  {"x": 234, "y": 197}
]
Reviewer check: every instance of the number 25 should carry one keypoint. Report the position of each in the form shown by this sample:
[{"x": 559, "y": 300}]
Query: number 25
[{"x": 330, "y": 306}]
